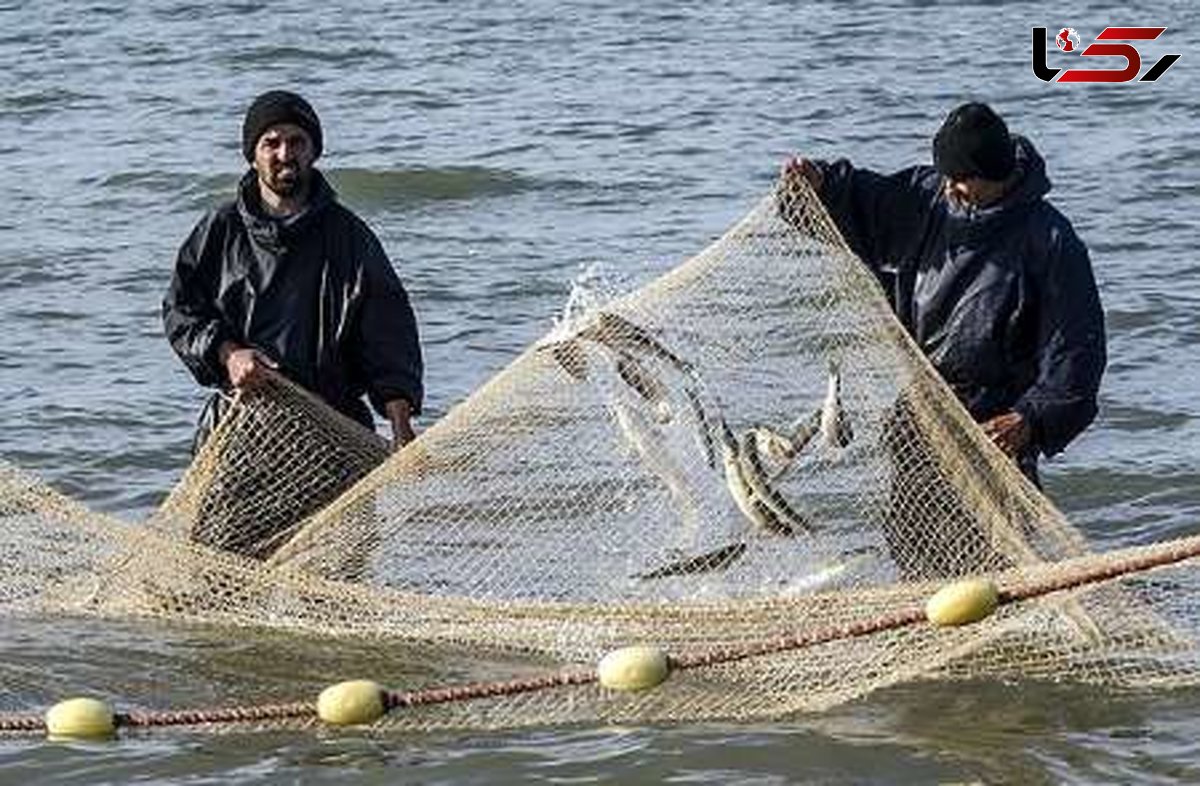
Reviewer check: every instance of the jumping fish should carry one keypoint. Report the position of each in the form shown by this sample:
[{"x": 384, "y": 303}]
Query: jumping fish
[
  {"x": 717, "y": 559},
  {"x": 829, "y": 421},
  {"x": 741, "y": 487},
  {"x": 619, "y": 333},
  {"x": 825, "y": 575},
  {"x": 759, "y": 482},
  {"x": 624, "y": 341},
  {"x": 648, "y": 386},
  {"x": 777, "y": 447},
  {"x": 836, "y": 431},
  {"x": 650, "y": 446}
]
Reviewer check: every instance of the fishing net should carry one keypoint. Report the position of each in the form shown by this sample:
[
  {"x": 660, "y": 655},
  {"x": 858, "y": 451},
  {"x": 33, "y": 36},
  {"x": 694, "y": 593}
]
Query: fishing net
[{"x": 745, "y": 462}]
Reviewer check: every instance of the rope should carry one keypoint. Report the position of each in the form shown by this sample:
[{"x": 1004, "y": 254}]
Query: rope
[
  {"x": 786, "y": 643},
  {"x": 21, "y": 723},
  {"x": 251, "y": 714},
  {"x": 483, "y": 690},
  {"x": 1084, "y": 572},
  {"x": 1140, "y": 560}
]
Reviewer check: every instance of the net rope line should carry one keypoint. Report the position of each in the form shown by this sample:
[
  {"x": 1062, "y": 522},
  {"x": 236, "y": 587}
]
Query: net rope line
[{"x": 1080, "y": 572}]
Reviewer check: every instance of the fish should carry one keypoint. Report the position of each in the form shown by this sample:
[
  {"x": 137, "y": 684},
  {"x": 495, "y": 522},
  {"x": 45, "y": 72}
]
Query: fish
[
  {"x": 759, "y": 481},
  {"x": 624, "y": 340},
  {"x": 742, "y": 486},
  {"x": 803, "y": 430},
  {"x": 650, "y": 446},
  {"x": 835, "y": 428},
  {"x": 775, "y": 446},
  {"x": 757, "y": 513},
  {"x": 825, "y": 575},
  {"x": 618, "y": 333},
  {"x": 645, "y": 384},
  {"x": 829, "y": 421},
  {"x": 717, "y": 559},
  {"x": 782, "y": 449}
]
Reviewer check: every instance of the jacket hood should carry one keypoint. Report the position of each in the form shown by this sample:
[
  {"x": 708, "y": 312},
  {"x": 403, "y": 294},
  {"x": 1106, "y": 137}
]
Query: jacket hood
[
  {"x": 1032, "y": 182},
  {"x": 1030, "y": 186}
]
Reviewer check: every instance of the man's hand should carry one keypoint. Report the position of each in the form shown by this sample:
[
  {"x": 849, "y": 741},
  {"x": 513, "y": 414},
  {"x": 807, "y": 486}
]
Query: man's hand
[
  {"x": 1010, "y": 432},
  {"x": 798, "y": 167},
  {"x": 399, "y": 412},
  {"x": 247, "y": 368}
]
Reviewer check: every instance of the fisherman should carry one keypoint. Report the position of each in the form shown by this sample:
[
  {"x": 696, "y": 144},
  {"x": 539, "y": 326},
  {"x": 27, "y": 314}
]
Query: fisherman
[
  {"x": 285, "y": 279},
  {"x": 995, "y": 287},
  {"x": 988, "y": 278}
]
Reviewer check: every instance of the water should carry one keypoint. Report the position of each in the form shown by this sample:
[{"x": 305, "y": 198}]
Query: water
[{"x": 499, "y": 152}]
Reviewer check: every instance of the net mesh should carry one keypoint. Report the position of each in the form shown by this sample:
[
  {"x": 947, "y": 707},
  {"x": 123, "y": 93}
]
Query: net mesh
[{"x": 746, "y": 449}]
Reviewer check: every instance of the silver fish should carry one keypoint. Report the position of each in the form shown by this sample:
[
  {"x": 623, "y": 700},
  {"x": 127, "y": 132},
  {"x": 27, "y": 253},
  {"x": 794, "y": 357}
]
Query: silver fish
[
  {"x": 742, "y": 484},
  {"x": 777, "y": 447},
  {"x": 619, "y": 333},
  {"x": 825, "y": 575},
  {"x": 650, "y": 446},
  {"x": 717, "y": 559},
  {"x": 648, "y": 386},
  {"x": 836, "y": 431},
  {"x": 759, "y": 482}
]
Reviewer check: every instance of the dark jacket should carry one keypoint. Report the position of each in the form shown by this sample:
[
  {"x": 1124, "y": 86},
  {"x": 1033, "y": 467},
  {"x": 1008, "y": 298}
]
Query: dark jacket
[
  {"x": 1001, "y": 299},
  {"x": 315, "y": 292}
]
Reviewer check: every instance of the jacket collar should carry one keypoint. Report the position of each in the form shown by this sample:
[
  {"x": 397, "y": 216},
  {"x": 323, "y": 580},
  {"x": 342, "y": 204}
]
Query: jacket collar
[{"x": 277, "y": 233}]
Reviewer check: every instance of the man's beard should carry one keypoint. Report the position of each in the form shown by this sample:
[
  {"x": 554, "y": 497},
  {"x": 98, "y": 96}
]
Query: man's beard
[{"x": 288, "y": 182}]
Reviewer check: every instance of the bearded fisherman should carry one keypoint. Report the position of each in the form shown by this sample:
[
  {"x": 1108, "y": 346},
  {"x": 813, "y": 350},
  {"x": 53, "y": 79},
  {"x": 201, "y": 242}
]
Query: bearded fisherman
[{"x": 285, "y": 280}]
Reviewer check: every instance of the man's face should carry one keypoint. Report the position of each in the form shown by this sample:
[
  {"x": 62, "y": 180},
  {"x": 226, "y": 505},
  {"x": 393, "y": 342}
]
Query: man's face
[
  {"x": 283, "y": 158},
  {"x": 973, "y": 191}
]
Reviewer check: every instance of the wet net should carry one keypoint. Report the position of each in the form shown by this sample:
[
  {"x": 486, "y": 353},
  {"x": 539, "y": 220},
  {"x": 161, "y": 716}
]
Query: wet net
[{"x": 745, "y": 462}]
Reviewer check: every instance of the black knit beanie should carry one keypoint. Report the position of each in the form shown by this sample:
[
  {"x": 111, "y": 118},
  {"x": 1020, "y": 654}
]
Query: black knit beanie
[
  {"x": 973, "y": 142},
  {"x": 272, "y": 108}
]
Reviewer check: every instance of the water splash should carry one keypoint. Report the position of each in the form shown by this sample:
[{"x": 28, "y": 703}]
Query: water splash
[{"x": 596, "y": 284}]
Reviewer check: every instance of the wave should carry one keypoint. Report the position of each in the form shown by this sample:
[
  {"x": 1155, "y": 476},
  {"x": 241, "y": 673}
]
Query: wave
[
  {"x": 369, "y": 190},
  {"x": 380, "y": 189},
  {"x": 37, "y": 103},
  {"x": 275, "y": 55}
]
